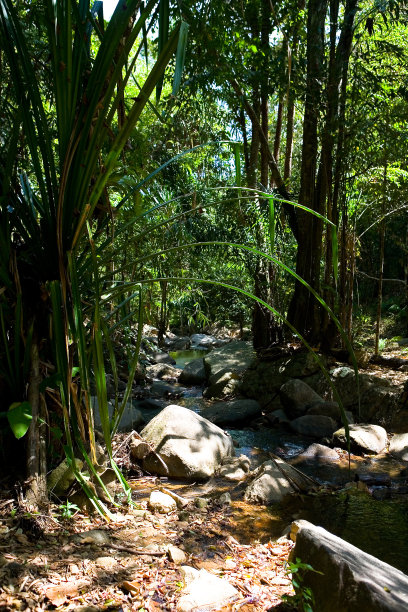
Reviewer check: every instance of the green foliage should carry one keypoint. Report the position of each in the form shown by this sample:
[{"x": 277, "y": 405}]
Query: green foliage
[
  {"x": 68, "y": 510},
  {"x": 19, "y": 416},
  {"x": 303, "y": 599}
]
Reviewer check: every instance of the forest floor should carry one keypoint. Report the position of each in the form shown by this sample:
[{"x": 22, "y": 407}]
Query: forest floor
[{"x": 133, "y": 561}]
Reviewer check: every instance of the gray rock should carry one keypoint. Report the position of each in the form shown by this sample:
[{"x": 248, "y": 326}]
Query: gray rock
[
  {"x": 235, "y": 468},
  {"x": 202, "y": 340},
  {"x": 399, "y": 446},
  {"x": 160, "y": 357},
  {"x": 350, "y": 579},
  {"x": 234, "y": 356},
  {"x": 314, "y": 425},
  {"x": 131, "y": 419},
  {"x": 231, "y": 412},
  {"x": 227, "y": 384},
  {"x": 330, "y": 409},
  {"x": 365, "y": 438},
  {"x": 139, "y": 449},
  {"x": 319, "y": 453},
  {"x": 176, "y": 555},
  {"x": 160, "y": 388},
  {"x": 277, "y": 417},
  {"x": 296, "y": 396},
  {"x": 190, "y": 446},
  {"x": 163, "y": 371},
  {"x": 269, "y": 485},
  {"x": 161, "y": 502},
  {"x": 176, "y": 343},
  {"x": 94, "y": 536},
  {"x": 203, "y": 590},
  {"x": 193, "y": 373}
]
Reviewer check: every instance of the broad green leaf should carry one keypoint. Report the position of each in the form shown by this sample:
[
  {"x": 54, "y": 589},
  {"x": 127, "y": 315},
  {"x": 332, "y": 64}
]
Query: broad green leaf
[{"x": 19, "y": 416}]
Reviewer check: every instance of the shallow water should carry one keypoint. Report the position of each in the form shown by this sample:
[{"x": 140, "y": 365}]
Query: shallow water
[{"x": 380, "y": 528}]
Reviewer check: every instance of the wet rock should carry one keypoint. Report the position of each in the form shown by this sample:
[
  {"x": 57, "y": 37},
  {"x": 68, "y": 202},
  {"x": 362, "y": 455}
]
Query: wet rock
[
  {"x": 161, "y": 502},
  {"x": 204, "y": 590},
  {"x": 269, "y": 485},
  {"x": 296, "y": 397},
  {"x": 189, "y": 445},
  {"x": 363, "y": 438},
  {"x": 161, "y": 389},
  {"x": 399, "y": 446},
  {"x": 232, "y": 411},
  {"x": 348, "y": 578},
  {"x": 163, "y": 371},
  {"x": 314, "y": 425},
  {"x": 193, "y": 373}
]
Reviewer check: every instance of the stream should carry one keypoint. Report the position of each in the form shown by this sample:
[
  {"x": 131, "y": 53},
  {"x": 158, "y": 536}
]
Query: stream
[{"x": 377, "y": 526}]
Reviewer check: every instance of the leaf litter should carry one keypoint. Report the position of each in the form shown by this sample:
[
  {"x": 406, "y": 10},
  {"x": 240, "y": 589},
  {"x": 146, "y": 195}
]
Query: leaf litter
[{"x": 133, "y": 562}]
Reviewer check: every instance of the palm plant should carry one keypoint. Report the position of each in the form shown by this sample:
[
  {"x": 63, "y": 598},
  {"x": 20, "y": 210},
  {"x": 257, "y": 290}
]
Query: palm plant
[{"x": 51, "y": 215}]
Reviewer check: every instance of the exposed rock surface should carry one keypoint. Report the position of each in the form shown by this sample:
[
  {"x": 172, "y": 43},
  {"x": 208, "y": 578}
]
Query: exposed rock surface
[
  {"x": 296, "y": 396},
  {"x": 193, "y": 373},
  {"x": 350, "y": 579},
  {"x": 234, "y": 356},
  {"x": 363, "y": 438},
  {"x": 314, "y": 425},
  {"x": 189, "y": 445},
  {"x": 269, "y": 485},
  {"x": 399, "y": 446},
  {"x": 319, "y": 453},
  {"x": 161, "y": 502},
  {"x": 232, "y": 411},
  {"x": 163, "y": 371},
  {"x": 235, "y": 468},
  {"x": 161, "y": 357},
  {"x": 203, "y": 340},
  {"x": 204, "y": 591}
]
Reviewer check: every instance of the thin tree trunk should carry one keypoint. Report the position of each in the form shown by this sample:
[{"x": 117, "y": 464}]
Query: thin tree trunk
[
  {"x": 36, "y": 493},
  {"x": 290, "y": 118},
  {"x": 381, "y": 274}
]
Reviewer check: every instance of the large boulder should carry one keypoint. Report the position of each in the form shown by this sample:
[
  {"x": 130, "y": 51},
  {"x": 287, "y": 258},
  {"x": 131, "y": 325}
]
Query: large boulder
[
  {"x": 348, "y": 579},
  {"x": 296, "y": 397},
  {"x": 399, "y": 446},
  {"x": 363, "y": 438},
  {"x": 314, "y": 425},
  {"x": 193, "y": 373},
  {"x": 231, "y": 412},
  {"x": 188, "y": 445},
  {"x": 235, "y": 357}
]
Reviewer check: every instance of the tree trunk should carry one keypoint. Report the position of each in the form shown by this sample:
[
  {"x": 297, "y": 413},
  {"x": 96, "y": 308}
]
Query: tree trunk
[
  {"x": 36, "y": 492},
  {"x": 303, "y": 310}
]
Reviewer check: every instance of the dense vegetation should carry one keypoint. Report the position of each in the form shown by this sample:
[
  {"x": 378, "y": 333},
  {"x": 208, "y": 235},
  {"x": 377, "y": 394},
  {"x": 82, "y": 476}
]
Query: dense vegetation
[{"x": 143, "y": 176}]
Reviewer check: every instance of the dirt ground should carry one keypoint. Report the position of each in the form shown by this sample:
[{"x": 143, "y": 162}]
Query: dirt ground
[{"x": 132, "y": 562}]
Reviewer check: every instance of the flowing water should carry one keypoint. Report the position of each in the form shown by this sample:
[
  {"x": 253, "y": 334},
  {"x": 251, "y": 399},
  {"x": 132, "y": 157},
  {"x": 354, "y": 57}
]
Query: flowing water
[{"x": 379, "y": 527}]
